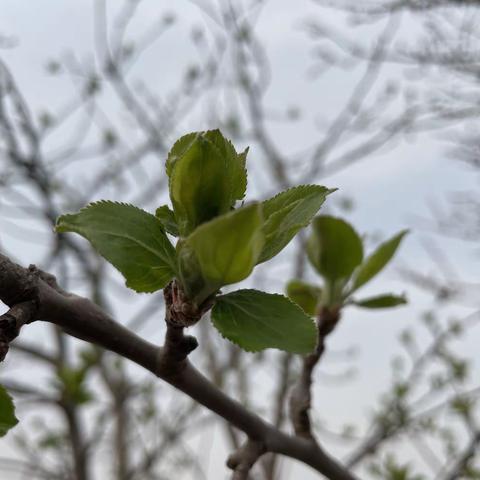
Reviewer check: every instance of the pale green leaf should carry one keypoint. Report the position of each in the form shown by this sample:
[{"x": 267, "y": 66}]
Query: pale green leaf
[
  {"x": 257, "y": 320},
  {"x": 167, "y": 218},
  {"x": 194, "y": 285},
  {"x": 207, "y": 176},
  {"x": 7, "y": 412},
  {"x": 377, "y": 261},
  {"x": 235, "y": 163},
  {"x": 305, "y": 295},
  {"x": 131, "y": 239},
  {"x": 334, "y": 248},
  {"x": 199, "y": 185},
  {"x": 178, "y": 149},
  {"x": 287, "y": 213},
  {"x": 387, "y": 300},
  {"x": 227, "y": 247}
]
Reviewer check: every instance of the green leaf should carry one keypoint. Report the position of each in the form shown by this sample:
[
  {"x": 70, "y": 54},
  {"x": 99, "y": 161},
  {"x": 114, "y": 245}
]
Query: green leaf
[
  {"x": 7, "y": 412},
  {"x": 334, "y": 248},
  {"x": 206, "y": 178},
  {"x": 227, "y": 247},
  {"x": 305, "y": 295},
  {"x": 178, "y": 149},
  {"x": 287, "y": 213},
  {"x": 377, "y": 261},
  {"x": 257, "y": 320},
  {"x": 194, "y": 285},
  {"x": 131, "y": 239},
  {"x": 387, "y": 300},
  {"x": 235, "y": 163},
  {"x": 167, "y": 218}
]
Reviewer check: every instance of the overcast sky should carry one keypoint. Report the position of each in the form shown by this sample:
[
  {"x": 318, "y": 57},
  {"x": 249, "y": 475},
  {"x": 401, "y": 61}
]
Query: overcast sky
[{"x": 389, "y": 189}]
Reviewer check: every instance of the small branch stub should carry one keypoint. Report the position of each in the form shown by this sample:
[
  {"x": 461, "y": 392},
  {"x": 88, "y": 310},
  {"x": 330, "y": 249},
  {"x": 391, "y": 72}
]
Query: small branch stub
[
  {"x": 12, "y": 321},
  {"x": 242, "y": 461}
]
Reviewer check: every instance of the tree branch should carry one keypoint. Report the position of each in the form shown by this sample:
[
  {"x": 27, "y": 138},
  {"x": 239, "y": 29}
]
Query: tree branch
[
  {"x": 301, "y": 397},
  {"x": 244, "y": 458},
  {"x": 85, "y": 320}
]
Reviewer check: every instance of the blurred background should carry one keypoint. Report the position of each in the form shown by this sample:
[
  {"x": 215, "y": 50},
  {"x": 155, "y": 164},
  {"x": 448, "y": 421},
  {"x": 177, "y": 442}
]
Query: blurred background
[{"x": 378, "y": 98}]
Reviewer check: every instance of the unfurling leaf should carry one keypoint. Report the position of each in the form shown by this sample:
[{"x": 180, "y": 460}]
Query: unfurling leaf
[
  {"x": 387, "y": 300},
  {"x": 305, "y": 295},
  {"x": 194, "y": 285},
  {"x": 227, "y": 248},
  {"x": 131, "y": 239},
  {"x": 178, "y": 149},
  {"x": 257, "y": 320},
  {"x": 167, "y": 218},
  {"x": 287, "y": 213},
  {"x": 207, "y": 176},
  {"x": 334, "y": 248},
  {"x": 235, "y": 163},
  {"x": 7, "y": 412},
  {"x": 377, "y": 261}
]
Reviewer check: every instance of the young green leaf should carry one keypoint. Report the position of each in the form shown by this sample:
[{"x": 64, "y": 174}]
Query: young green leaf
[
  {"x": 305, "y": 295},
  {"x": 178, "y": 149},
  {"x": 131, "y": 239},
  {"x": 196, "y": 288},
  {"x": 199, "y": 185},
  {"x": 334, "y": 248},
  {"x": 235, "y": 163},
  {"x": 377, "y": 261},
  {"x": 257, "y": 320},
  {"x": 287, "y": 213},
  {"x": 206, "y": 178},
  {"x": 387, "y": 300},
  {"x": 227, "y": 247},
  {"x": 167, "y": 218},
  {"x": 7, "y": 412}
]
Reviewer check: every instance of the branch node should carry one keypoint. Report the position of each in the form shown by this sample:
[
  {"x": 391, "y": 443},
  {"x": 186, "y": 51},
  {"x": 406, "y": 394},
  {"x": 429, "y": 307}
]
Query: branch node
[
  {"x": 242, "y": 460},
  {"x": 12, "y": 321},
  {"x": 180, "y": 311}
]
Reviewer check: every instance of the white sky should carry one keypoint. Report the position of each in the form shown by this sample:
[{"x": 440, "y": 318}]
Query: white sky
[{"x": 388, "y": 188}]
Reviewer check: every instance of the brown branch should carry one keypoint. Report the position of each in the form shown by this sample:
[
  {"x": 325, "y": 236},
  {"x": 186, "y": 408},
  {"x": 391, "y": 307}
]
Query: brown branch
[
  {"x": 76, "y": 438},
  {"x": 19, "y": 292},
  {"x": 270, "y": 462},
  {"x": 85, "y": 320},
  {"x": 301, "y": 397},
  {"x": 68, "y": 407},
  {"x": 12, "y": 321},
  {"x": 244, "y": 458}
]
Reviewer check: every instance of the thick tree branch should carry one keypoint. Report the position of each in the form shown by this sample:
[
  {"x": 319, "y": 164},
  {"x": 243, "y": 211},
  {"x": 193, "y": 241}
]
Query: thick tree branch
[{"x": 83, "y": 319}]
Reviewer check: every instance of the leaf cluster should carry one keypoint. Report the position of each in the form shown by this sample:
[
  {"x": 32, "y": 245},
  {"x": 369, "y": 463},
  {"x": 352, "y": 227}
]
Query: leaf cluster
[
  {"x": 336, "y": 252},
  {"x": 219, "y": 241}
]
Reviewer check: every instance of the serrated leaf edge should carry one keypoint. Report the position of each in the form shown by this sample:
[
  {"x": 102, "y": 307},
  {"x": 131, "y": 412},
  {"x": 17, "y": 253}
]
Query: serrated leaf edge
[
  {"x": 267, "y": 293},
  {"x": 111, "y": 202}
]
